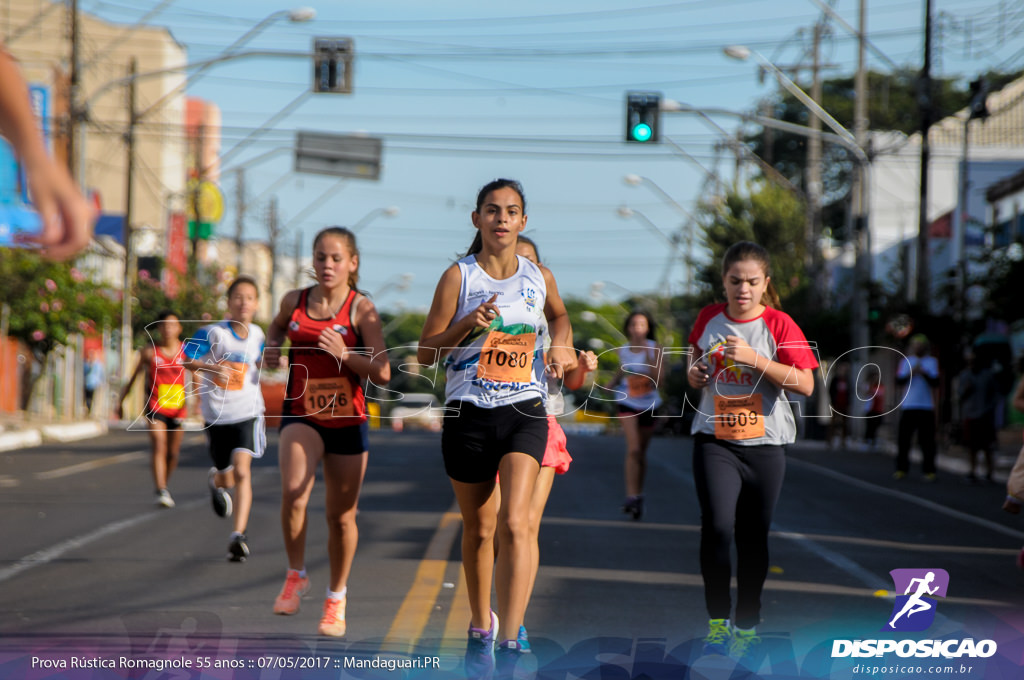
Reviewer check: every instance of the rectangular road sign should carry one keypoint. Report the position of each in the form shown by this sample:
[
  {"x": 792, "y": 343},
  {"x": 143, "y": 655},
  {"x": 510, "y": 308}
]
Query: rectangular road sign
[{"x": 326, "y": 153}]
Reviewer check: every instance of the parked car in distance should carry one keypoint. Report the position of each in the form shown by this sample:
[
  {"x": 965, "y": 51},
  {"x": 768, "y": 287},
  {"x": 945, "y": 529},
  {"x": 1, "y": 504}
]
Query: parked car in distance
[{"x": 417, "y": 410}]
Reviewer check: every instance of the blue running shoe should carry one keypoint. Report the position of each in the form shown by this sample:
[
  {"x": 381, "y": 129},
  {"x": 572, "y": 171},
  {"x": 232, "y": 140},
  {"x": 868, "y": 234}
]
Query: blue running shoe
[
  {"x": 744, "y": 647},
  {"x": 479, "y": 658},
  {"x": 718, "y": 637},
  {"x": 505, "y": 659},
  {"x": 523, "y": 640}
]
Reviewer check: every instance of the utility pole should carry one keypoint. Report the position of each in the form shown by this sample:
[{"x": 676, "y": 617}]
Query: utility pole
[
  {"x": 861, "y": 332},
  {"x": 298, "y": 258},
  {"x": 197, "y": 213},
  {"x": 129, "y": 261},
  {"x": 239, "y": 217},
  {"x": 812, "y": 229},
  {"x": 273, "y": 233},
  {"x": 74, "y": 113},
  {"x": 922, "y": 293}
]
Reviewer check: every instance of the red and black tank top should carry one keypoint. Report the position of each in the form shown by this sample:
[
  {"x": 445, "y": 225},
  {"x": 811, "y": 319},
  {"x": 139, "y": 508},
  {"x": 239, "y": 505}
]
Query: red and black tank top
[
  {"x": 165, "y": 382},
  {"x": 320, "y": 388}
]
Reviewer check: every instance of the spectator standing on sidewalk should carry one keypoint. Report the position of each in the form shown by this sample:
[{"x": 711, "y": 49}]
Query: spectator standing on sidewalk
[
  {"x": 979, "y": 398},
  {"x": 94, "y": 377},
  {"x": 918, "y": 374}
]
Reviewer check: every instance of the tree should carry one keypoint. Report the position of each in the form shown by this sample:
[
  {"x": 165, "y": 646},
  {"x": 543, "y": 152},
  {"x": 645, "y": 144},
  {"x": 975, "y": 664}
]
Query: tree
[
  {"x": 198, "y": 299},
  {"x": 892, "y": 105},
  {"x": 50, "y": 302},
  {"x": 762, "y": 212}
]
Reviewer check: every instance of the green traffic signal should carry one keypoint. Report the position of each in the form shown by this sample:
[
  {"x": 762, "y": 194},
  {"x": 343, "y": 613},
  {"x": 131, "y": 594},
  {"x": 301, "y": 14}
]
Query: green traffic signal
[
  {"x": 641, "y": 132},
  {"x": 643, "y": 110}
]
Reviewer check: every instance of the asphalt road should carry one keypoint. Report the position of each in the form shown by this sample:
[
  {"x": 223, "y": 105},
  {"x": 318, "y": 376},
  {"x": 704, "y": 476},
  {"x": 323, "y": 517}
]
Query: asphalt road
[{"x": 90, "y": 569}]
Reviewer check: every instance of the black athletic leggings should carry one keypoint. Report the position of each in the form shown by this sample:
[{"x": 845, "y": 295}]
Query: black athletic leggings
[{"x": 737, "y": 487}]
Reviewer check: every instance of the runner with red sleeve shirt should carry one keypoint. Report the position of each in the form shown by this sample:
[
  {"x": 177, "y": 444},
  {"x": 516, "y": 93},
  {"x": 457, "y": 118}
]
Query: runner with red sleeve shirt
[
  {"x": 336, "y": 344},
  {"x": 162, "y": 364},
  {"x": 746, "y": 353}
]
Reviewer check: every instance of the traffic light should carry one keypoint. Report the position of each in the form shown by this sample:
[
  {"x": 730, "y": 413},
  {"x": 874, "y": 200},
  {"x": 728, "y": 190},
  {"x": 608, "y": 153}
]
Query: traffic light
[
  {"x": 643, "y": 114},
  {"x": 332, "y": 65},
  {"x": 979, "y": 93}
]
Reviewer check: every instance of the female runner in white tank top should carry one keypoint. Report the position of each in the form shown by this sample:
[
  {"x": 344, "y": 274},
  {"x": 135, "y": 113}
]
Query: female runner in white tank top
[{"x": 490, "y": 314}]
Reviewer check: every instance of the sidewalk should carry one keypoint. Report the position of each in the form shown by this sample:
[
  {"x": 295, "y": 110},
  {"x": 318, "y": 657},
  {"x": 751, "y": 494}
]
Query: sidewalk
[
  {"x": 18, "y": 431},
  {"x": 951, "y": 459}
]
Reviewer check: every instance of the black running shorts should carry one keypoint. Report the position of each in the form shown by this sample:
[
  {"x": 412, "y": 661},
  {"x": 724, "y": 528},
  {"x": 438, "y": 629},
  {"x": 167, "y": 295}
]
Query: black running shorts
[
  {"x": 474, "y": 439},
  {"x": 225, "y": 439}
]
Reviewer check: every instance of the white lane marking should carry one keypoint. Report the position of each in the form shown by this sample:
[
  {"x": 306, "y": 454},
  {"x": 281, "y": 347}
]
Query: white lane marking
[
  {"x": 47, "y": 555},
  {"x": 91, "y": 465},
  {"x": 903, "y": 496}
]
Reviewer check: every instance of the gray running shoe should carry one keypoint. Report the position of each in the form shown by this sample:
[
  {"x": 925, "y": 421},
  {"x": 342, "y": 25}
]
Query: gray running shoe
[
  {"x": 219, "y": 497},
  {"x": 238, "y": 549}
]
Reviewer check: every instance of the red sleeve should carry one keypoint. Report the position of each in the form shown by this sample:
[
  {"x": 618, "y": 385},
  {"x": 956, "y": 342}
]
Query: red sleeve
[
  {"x": 793, "y": 349},
  {"x": 706, "y": 314}
]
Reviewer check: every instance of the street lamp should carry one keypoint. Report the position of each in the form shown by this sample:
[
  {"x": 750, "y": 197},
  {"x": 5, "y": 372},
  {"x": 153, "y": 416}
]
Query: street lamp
[
  {"x": 687, "y": 228},
  {"x": 626, "y": 212},
  {"x": 389, "y": 211},
  {"x": 742, "y": 53}
]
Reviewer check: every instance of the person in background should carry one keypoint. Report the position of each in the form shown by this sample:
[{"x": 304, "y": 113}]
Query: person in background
[
  {"x": 225, "y": 358},
  {"x": 556, "y": 456},
  {"x": 875, "y": 409},
  {"x": 636, "y": 382},
  {"x": 979, "y": 398},
  {"x": 918, "y": 374},
  {"x": 163, "y": 365},
  {"x": 94, "y": 377},
  {"x": 839, "y": 398}
]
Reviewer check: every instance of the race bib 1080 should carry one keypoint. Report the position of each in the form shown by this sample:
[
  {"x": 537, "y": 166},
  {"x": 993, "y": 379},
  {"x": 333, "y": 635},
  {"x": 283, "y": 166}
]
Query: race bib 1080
[{"x": 507, "y": 358}]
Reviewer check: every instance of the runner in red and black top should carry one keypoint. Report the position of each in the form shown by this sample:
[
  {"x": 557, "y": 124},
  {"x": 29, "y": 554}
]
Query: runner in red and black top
[
  {"x": 327, "y": 395},
  {"x": 336, "y": 344},
  {"x": 162, "y": 366}
]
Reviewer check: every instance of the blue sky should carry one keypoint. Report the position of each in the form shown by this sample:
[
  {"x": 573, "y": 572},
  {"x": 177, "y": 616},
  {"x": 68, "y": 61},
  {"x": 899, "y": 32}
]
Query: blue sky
[{"x": 465, "y": 92}]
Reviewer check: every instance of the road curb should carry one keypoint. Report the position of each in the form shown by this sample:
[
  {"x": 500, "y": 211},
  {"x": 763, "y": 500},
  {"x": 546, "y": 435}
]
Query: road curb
[
  {"x": 21, "y": 439},
  {"x": 71, "y": 432}
]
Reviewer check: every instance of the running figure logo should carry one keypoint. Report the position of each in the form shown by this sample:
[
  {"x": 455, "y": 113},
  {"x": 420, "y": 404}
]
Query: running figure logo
[{"x": 914, "y": 610}]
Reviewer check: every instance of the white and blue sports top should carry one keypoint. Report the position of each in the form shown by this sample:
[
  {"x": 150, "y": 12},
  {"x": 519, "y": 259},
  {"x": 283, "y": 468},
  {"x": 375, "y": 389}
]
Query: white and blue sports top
[
  {"x": 639, "y": 383},
  {"x": 504, "y": 363},
  {"x": 238, "y": 396}
]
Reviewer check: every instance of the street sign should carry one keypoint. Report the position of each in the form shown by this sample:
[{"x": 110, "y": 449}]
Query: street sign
[
  {"x": 324, "y": 153},
  {"x": 206, "y": 198}
]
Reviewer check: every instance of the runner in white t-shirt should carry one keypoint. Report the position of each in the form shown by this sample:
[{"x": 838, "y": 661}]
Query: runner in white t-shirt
[
  {"x": 226, "y": 358},
  {"x": 746, "y": 354}
]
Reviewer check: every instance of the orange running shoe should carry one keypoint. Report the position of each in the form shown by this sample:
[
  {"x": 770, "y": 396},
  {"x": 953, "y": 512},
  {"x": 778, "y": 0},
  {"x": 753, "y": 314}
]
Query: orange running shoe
[
  {"x": 332, "y": 623},
  {"x": 294, "y": 588}
]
